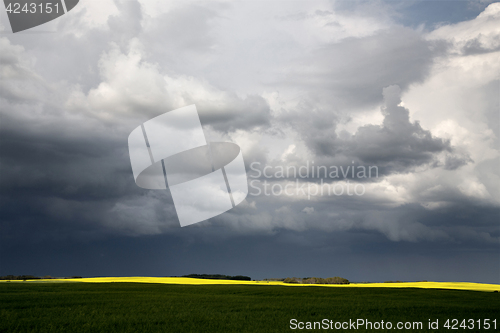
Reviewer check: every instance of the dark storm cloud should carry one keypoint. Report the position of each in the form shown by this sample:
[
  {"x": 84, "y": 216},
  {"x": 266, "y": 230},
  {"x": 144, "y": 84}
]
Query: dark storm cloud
[
  {"x": 315, "y": 124},
  {"x": 66, "y": 173},
  {"x": 407, "y": 222},
  {"x": 351, "y": 73},
  {"x": 65, "y": 167},
  {"x": 397, "y": 145},
  {"x": 287, "y": 253},
  {"x": 61, "y": 178},
  {"x": 250, "y": 113},
  {"x": 454, "y": 162},
  {"x": 397, "y": 142}
]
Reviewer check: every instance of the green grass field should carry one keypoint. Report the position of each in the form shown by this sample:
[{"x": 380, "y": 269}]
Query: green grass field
[{"x": 143, "y": 307}]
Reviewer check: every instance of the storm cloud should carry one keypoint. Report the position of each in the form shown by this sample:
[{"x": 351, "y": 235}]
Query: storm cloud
[{"x": 296, "y": 83}]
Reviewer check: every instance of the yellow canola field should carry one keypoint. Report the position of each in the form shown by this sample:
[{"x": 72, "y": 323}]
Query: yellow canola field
[{"x": 193, "y": 281}]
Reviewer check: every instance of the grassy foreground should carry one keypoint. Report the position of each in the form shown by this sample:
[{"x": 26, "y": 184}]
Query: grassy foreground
[{"x": 152, "y": 307}]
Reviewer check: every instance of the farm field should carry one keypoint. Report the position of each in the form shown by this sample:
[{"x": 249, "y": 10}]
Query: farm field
[{"x": 166, "y": 307}]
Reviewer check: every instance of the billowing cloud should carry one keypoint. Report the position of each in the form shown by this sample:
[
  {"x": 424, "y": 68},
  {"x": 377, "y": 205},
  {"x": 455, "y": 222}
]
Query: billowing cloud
[
  {"x": 351, "y": 72},
  {"x": 398, "y": 142}
]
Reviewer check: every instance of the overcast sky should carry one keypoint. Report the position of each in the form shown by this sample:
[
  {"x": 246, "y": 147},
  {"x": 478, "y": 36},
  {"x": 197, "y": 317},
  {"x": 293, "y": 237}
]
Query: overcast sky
[{"x": 409, "y": 87}]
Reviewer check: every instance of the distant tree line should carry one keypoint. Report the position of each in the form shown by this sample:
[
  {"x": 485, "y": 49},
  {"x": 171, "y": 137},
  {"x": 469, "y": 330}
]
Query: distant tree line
[
  {"x": 315, "y": 280},
  {"x": 31, "y": 277},
  {"x": 218, "y": 277}
]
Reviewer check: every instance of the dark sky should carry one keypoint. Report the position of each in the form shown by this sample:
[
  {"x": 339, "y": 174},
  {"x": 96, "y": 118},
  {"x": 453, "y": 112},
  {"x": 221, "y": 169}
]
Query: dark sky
[{"x": 412, "y": 89}]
